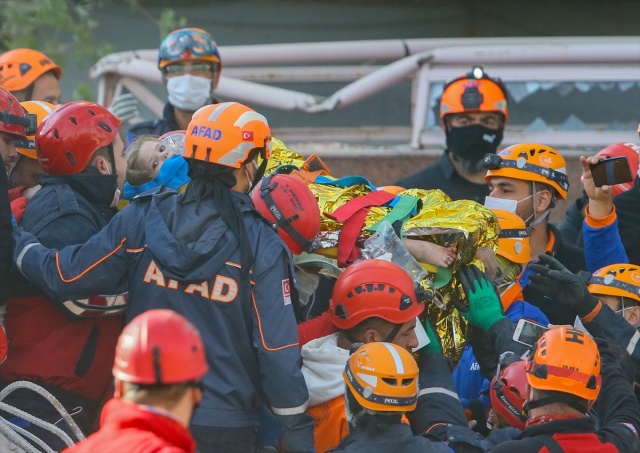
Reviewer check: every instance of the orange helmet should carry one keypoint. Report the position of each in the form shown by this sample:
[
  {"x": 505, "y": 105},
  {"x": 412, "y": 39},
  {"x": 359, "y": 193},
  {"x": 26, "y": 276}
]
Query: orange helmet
[
  {"x": 68, "y": 137},
  {"x": 19, "y": 68},
  {"x": 289, "y": 203},
  {"x": 371, "y": 288},
  {"x": 474, "y": 91},
  {"x": 225, "y": 134},
  {"x": 40, "y": 109},
  {"x": 12, "y": 117},
  {"x": 530, "y": 162},
  {"x": 383, "y": 377},
  {"x": 513, "y": 239},
  {"x": 628, "y": 150},
  {"x": 159, "y": 347},
  {"x": 616, "y": 280},
  {"x": 565, "y": 359}
]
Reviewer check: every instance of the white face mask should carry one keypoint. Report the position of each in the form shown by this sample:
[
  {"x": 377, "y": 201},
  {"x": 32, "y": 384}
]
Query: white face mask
[
  {"x": 188, "y": 92},
  {"x": 502, "y": 203}
]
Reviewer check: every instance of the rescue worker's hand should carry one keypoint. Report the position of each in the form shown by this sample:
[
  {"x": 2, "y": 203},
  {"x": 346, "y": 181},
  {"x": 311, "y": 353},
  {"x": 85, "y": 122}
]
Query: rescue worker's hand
[
  {"x": 434, "y": 346},
  {"x": 125, "y": 107},
  {"x": 552, "y": 279},
  {"x": 484, "y": 303}
]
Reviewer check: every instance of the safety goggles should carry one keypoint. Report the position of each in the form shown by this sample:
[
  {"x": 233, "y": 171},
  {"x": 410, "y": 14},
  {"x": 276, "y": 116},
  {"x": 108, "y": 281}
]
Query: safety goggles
[
  {"x": 191, "y": 68},
  {"x": 495, "y": 162},
  {"x": 192, "y": 45}
]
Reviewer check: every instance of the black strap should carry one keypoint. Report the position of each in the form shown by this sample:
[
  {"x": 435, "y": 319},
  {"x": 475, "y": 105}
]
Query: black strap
[{"x": 547, "y": 440}]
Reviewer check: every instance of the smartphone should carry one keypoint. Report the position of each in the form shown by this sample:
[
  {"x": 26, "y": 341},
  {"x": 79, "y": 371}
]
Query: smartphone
[
  {"x": 527, "y": 332},
  {"x": 611, "y": 171}
]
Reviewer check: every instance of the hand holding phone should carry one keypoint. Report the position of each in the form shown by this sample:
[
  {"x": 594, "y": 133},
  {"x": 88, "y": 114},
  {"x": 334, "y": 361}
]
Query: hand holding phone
[
  {"x": 527, "y": 332},
  {"x": 611, "y": 171}
]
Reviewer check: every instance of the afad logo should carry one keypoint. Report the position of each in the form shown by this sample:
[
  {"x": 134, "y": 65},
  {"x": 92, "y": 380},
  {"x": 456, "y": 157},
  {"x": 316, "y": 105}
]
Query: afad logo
[{"x": 206, "y": 132}]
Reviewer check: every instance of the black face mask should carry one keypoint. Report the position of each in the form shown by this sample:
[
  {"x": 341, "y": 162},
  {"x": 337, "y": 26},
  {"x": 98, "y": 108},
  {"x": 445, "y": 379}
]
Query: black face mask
[{"x": 471, "y": 143}]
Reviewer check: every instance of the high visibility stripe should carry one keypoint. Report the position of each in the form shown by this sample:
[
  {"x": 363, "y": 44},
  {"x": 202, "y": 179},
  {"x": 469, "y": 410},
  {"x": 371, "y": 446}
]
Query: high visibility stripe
[
  {"x": 90, "y": 267},
  {"x": 291, "y": 410},
  {"x": 396, "y": 358},
  {"x": 247, "y": 117},
  {"x": 218, "y": 110},
  {"x": 442, "y": 390},
  {"x": 633, "y": 342},
  {"x": 21, "y": 256}
]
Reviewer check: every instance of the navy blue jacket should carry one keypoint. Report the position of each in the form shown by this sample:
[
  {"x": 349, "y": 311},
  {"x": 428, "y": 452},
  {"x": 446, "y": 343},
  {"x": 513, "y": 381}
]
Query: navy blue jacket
[{"x": 181, "y": 255}]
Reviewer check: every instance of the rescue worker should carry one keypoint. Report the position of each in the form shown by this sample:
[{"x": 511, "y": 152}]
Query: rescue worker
[
  {"x": 513, "y": 255},
  {"x": 381, "y": 385},
  {"x": 564, "y": 374},
  {"x": 372, "y": 300},
  {"x": 13, "y": 126},
  {"x": 26, "y": 171},
  {"x": 473, "y": 111},
  {"x": 30, "y": 75},
  {"x": 528, "y": 179},
  {"x": 607, "y": 301},
  {"x": 159, "y": 364},
  {"x": 79, "y": 148},
  {"x": 190, "y": 64},
  {"x": 210, "y": 256}
]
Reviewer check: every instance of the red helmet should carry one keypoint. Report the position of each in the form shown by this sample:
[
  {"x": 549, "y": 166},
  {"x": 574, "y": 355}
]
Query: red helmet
[
  {"x": 509, "y": 392},
  {"x": 628, "y": 150},
  {"x": 67, "y": 138},
  {"x": 159, "y": 347},
  {"x": 289, "y": 203},
  {"x": 371, "y": 288},
  {"x": 12, "y": 117}
]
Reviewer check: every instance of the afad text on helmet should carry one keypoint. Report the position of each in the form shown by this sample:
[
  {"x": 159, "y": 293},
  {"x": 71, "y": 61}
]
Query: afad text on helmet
[
  {"x": 206, "y": 132},
  {"x": 223, "y": 289}
]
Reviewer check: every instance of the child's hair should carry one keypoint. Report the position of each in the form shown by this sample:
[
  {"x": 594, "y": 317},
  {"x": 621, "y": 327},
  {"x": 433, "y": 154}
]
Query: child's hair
[{"x": 135, "y": 176}]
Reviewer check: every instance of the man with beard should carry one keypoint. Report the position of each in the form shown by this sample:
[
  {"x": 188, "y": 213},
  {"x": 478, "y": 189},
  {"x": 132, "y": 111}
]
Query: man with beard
[{"x": 473, "y": 110}]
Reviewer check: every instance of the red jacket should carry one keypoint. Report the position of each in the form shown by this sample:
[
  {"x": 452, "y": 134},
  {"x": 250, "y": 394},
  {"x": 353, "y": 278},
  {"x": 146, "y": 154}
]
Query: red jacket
[{"x": 133, "y": 428}]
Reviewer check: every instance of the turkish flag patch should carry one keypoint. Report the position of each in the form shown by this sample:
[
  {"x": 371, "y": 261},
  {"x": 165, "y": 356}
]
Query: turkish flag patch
[
  {"x": 247, "y": 136},
  {"x": 286, "y": 291}
]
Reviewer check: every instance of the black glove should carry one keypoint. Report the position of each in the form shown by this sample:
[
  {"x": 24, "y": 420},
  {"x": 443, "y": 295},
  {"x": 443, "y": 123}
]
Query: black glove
[{"x": 552, "y": 279}]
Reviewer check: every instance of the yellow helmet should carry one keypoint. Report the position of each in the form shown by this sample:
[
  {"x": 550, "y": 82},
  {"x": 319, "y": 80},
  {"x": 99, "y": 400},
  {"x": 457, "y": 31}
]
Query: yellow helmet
[
  {"x": 530, "y": 162},
  {"x": 40, "y": 109},
  {"x": 383, "y": 377}
]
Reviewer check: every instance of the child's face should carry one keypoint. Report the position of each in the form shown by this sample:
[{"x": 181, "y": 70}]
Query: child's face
[{"x": 151, "y": 156}]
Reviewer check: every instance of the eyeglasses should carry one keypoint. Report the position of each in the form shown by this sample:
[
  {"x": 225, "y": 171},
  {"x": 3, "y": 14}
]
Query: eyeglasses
[{"x": 191, "y": 68}]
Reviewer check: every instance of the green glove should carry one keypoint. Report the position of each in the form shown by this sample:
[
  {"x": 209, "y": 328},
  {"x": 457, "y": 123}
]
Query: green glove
[
  {"x": 434, "y": 346},
  {"x": 484, "y": 303}
]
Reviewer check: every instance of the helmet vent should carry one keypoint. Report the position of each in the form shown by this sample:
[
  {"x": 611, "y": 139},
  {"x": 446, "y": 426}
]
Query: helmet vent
[
  {"x": 104, "y": 126},
  {"x": 56, "y": 134},
  {"x": 406, "y": 382},
  {"x": 70, "y": 158},
  {"x": 390, "y": 381},
  {"x": 91, "y": 112},
  {"x": 369, "y": 287},
  {"x": 24, "y": 68},
  {"x": 73, "y": 120},
  {"x": 340, "y": 312}
]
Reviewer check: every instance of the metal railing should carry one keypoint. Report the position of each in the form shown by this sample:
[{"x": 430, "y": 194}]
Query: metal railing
[{"x": 369, "y": 67}]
